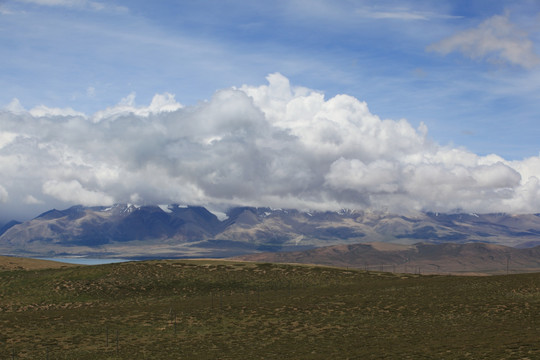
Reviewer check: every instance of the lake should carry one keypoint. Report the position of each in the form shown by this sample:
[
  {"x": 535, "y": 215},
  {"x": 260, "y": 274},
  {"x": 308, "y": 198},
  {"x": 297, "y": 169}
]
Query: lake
[{"x": 85, "y": 261}]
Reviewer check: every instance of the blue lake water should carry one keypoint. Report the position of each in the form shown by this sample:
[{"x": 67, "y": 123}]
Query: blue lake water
[{"x": 85, "y": 261}]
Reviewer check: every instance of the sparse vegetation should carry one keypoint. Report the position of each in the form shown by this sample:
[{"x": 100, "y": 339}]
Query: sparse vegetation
[
  {"x": 227, "y": 310},
  {"x": 19, "y": 263}
]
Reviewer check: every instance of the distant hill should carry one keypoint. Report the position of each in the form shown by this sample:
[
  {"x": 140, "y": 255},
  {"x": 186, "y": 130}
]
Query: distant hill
[
  {"x": 422, "y": 258},
  {"x": 173, "y": 231},
  {"x": 18, "y": 263},
  {"x": 8, "y": 225}
]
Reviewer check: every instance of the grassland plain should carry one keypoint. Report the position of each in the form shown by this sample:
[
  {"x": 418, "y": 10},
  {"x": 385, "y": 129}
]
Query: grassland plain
[{"x": 231, "y": 310}]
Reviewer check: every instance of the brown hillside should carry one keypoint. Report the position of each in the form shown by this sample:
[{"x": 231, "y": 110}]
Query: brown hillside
[
  {"x": 478, "y": 258},
  {"x": 18, "y": 263}
]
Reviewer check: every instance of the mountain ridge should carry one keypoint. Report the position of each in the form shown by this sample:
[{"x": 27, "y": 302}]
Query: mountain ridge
[{"x": 192, "y": 231}]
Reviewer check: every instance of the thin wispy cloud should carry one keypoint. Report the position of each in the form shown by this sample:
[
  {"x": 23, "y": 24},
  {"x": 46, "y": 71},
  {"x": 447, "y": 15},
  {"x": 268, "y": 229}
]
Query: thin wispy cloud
[
  {"x": 496, "y": 40},
  {"x": 398, "y": 15},
  {"x": 4, "y": 10},
  {"x": 401, "y": 14},
  {"x": 77, "y": 4},
  {"x": 68, "y": 3}
]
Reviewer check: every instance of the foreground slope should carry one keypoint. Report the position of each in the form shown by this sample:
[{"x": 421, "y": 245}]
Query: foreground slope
[{"x": 226, "y": 310}]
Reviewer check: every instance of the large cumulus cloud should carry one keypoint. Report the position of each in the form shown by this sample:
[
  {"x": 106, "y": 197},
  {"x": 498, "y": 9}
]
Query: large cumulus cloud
[{"x": 273, "y": 145}]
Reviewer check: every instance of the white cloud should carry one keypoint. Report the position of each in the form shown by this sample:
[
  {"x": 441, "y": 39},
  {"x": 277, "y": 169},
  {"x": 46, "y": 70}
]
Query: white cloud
[
  {"x": 56, "y": 2},
  {"x": 400, "y": 13},
  {"x": 15, "y": 107},
  {"x": 272, "y": 145},
  {"x": 91, "y": 92},
  {"x": 29, "y": 199},
  {"x": 82, "y": 4},
  {"x": 496, "y": 39},
  {"x": 3, "y": 195},
  {"x": 7, "y": 138},
  {"x": 380, "y": 176},
  {"x": 396, "y": 14},
  {"x": 4, "y": 10},
  {"x": 160, "y": 103},
  {"x": 73, "y": 191},
  {"x": 43, "y": 111}
]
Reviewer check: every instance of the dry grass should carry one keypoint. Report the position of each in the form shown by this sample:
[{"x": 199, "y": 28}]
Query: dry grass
[
  {"x": 18, "y": 263},
  {"x": 225, "y": 310}
]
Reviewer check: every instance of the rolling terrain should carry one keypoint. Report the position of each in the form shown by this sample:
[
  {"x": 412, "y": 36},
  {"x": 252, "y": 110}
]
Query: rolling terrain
[
  {"x": 174, "y": 231},
  {"x": 471, "y": 258},
  {"x": 233, "y": 310},
  {"x": 18, "y": 263}
]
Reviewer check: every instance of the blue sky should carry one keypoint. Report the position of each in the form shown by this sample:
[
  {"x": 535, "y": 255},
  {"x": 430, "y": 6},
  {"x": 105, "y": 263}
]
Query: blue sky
[
  {"x": 81, "y": 77},
  {"x": 88, "y": 55}
]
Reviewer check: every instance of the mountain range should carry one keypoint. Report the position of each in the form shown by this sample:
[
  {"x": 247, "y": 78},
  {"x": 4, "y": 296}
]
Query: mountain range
[{"x": 126, "y": 230}]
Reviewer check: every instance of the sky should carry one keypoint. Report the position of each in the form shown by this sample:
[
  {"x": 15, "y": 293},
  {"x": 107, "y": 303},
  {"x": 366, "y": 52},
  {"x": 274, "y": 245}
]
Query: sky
[{"x": 317, "y": 105}]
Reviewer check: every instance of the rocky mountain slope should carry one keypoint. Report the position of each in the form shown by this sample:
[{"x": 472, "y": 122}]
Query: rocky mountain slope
[{"x": 181, "y": 231}]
